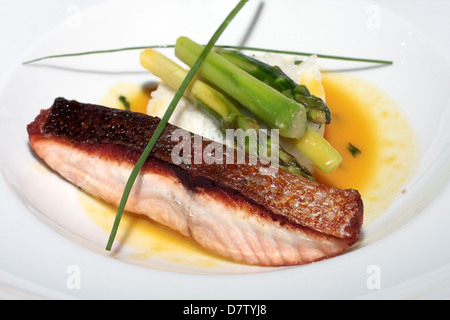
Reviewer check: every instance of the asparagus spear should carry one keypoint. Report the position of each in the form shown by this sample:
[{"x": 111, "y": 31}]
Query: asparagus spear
[
  {"x": 318, "y": 150},
  {"x": 199, "y": 93},
  {"x": 270, "y": 106},
  {"x": 316, "y": 108},
  {"x": 311, "y": 144},
  {"x": 213, "y": 103}
]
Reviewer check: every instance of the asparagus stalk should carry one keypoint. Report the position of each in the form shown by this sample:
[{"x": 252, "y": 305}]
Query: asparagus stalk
[
  {"x": 318, "y": 150},
  {"x": 213, "y": 103},
  {"x": 316, "y": 109},
  {"x": 199, "y": 93},
  {"x": 270, "y": 106},
  {"x": 311, "y": 144}
]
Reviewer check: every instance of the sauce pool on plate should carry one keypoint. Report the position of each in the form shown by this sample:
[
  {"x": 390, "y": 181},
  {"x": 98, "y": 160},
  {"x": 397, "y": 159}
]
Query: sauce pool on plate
[{"x": 378, "y": 146}]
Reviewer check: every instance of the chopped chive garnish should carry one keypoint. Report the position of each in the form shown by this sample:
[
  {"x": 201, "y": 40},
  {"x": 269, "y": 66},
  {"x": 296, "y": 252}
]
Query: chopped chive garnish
[
  {"x": 166, "y": 117},
  {"x": 125, "y": 103},
  {"x": 353, "y": 150}
]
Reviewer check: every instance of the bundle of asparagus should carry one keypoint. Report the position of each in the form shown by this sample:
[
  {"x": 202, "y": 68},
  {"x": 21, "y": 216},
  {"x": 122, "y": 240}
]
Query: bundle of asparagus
[{"x": 243, "y": 83}]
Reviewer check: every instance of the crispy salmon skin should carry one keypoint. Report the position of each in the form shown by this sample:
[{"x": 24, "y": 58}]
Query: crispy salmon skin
[{"x": 231, "y": 209}]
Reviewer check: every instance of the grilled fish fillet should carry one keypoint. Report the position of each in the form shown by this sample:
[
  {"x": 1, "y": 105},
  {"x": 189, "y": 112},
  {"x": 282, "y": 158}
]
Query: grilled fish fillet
[{"x": 230, "y": 209}]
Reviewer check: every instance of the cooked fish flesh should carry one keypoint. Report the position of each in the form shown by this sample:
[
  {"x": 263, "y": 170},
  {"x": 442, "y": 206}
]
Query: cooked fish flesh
[{"x": 231, "y": 209}]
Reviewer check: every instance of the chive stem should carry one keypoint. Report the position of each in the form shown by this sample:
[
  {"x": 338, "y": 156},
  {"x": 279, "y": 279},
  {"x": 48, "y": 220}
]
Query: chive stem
[
  {"x": 84, "y": 53},
  {"x": 164, "y": 46},
  {"x": 125, "y": 102},
  {"x": 166, "y": 117},
  {"x": 324, "y": 56},
  {"x": 353, "y": 150}
]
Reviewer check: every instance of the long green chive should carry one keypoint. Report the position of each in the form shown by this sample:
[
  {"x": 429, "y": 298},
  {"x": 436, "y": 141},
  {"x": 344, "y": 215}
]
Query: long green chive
[
  {"x": 166, "y": 117},
  {"x": 162, "y": 46},
  {"x": 64, "y": 55},
  {"x": 325, "y": 56}
]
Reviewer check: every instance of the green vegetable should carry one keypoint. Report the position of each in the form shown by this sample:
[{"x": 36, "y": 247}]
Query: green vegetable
[
  {"x": 316, "y": 108},
  {"x": 165, "y": 119},
  {"x": 215, "y": 104},
  {"x": 267, "y": 104},
  {"x": 199, "y": 93},
  {"x": 165, "y": 46},
  {"x": 318, "y": 150},
  {"x": 353, "y": 150},
  {"x": 125, "y": 102},
  {"x": 228, "y": 77}
]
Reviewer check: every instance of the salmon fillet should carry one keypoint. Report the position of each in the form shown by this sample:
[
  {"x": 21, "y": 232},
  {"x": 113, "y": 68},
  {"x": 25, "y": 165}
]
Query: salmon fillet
[{"x": 231, "y": 209}]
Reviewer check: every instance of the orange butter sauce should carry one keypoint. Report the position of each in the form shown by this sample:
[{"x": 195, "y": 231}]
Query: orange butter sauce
[
  {"x": 366, "y": 117},
  {"x": 136, "y": 95},
  {"x": 352, "y": 123}
]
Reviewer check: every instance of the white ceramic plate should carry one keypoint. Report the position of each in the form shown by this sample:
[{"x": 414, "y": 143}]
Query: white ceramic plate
[{"x": 50, "y": 249}]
